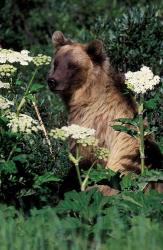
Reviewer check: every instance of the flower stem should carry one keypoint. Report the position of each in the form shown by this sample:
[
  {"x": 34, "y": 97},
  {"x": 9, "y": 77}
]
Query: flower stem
[
  {"x": 76, "y": 161},
  {"x": 78, "y": 174},
  {"x": 77, "y": 166},
  {"x": 141, "y": 132},
  {"x": 23, "y": 100},
  {"x": 84, "y": 183}
]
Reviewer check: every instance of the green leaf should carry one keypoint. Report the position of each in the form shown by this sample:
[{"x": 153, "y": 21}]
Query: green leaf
[
  {"x": 25, "y": 192},
  {"x": 18, "y": 82},
  {"x": 152, "y": 103},
  {"x": 130, "y": 199},
  {"x": 47, "y": 177},
  {"x": 35, "y": 87},
  {"x": 99, "y": 173},
  {"x": 71, "y": 223},
  {"x": 126, "y": 182},
  {"x": 129, "y": 121},
  {"x": 30, "y": 97},
  {"x": 8, "y": 167},
  {"x": 21, "y": 158},
  {"x": 124, "y": 129}
]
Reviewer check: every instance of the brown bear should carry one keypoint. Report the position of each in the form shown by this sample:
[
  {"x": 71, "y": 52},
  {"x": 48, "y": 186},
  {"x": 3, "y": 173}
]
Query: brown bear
[{"x": 94, "y": 96}]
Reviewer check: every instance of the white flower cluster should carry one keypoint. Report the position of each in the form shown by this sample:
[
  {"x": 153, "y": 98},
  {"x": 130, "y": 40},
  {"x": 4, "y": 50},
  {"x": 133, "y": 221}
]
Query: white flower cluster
[
  {"x": 141, "y": 81},
  {"x": 7, "y": 70},
  {"x": 78, "y": 132},
  {"x": 40, "y": 60},
  {"x": 5, "y": 103},
  {"x": 4, "y": 85},
  {"x": 88, "y": 141},
  {"x": 22, "y": 123},
  {"x": 12, "y": 56},
  {"x": 74, "y": 131}
]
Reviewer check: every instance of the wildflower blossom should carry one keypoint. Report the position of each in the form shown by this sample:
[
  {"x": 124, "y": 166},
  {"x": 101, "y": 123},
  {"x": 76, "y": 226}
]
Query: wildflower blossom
[
  {"x": 5, "y": 103},
  {"x": 78, "y": 132},
  {"x": 81, "y": 134},
  {"x": 12, "y": 56},
  {"x": 88, "y": 141},
  {"x": 22, "y": 123},
  {"x": 58, "y": 134},
  {"x": 102, "y": 153},
  {"x": 40, "y": 60},
  {"x": 4, "y": 85},
  {"x": 141, "y": 81},
  {"x": 7, "y": 70}
]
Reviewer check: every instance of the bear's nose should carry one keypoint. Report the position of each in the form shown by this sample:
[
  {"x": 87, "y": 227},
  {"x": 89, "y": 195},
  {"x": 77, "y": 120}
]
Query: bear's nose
[{"x": 52, "y": 82}]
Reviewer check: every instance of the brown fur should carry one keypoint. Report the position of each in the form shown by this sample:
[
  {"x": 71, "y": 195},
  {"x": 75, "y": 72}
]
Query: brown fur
[{"x": 93, "y": 94}]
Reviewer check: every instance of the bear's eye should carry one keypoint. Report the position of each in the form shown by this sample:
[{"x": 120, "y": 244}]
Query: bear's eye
[{"x": 73, "y": 66}]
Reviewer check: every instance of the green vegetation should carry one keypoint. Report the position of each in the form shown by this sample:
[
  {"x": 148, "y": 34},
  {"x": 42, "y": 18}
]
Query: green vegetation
[
  {"x": 33, "y": 165},
  {"x": 87, "y": 221}
]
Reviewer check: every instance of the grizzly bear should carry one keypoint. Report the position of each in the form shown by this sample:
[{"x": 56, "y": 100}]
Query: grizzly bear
[{"x": 94, "y": 96}]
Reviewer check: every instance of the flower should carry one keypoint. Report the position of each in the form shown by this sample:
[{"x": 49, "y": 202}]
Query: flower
[
  {"x": 4, "y": 85},
  {"x": 58, "y": 134},
  {"x": 78, "y": 132},
  {"x": 88, "y": 141},
  {"x": 102, "y": 153},
  {"x": 22, "y": 123},
  {"x": 5, "y": 103},
  {"x": 7, "y": 70},
  {"x": 75, "y": 132},
  {"x": 141, "y": 81},
  {"x": 40, "y": 60},
  {"x": 11, "y": 56}
]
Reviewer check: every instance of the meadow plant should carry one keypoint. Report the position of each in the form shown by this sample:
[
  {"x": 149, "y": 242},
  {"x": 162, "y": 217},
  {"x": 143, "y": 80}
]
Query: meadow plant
[
  {"x": 12, "y": 56},
  {"x": 4, "y": 85},
  {"x": 19, "y": 122},
  {"x": 22, "y": 123},
  {"x": 23, "y": 136},
  {"x": 7, "y": 70},
  {"x": 41, "y": 60},
  {"x": 5, "y": 103},
  {"x": 83, "y": 137},
  {"x": 141, "y": 82}
]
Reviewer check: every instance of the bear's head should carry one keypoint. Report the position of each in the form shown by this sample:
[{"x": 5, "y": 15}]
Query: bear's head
[{"x": 72, "y": 63}]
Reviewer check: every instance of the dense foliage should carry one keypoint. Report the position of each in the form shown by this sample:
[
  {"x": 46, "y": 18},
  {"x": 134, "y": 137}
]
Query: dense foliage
[{"x": 87, "y": 221}]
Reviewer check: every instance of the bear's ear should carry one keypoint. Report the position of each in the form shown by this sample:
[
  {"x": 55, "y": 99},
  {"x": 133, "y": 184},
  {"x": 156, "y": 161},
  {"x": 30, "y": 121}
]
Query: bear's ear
[
  {"x": 59, "y": 40},
  {"x": 95, "y": 50}
]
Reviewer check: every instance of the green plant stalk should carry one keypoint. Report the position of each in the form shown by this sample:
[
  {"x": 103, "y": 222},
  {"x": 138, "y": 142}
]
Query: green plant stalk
[
  {"x": 75, "y": 161},
  {"x": 84, "y": 183},
  {"x": 23, "y": 100},
  {"x": 141, "y": 132},
  {"x": 11, "y": 152},
  {"x": 78, "y": 174}
]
